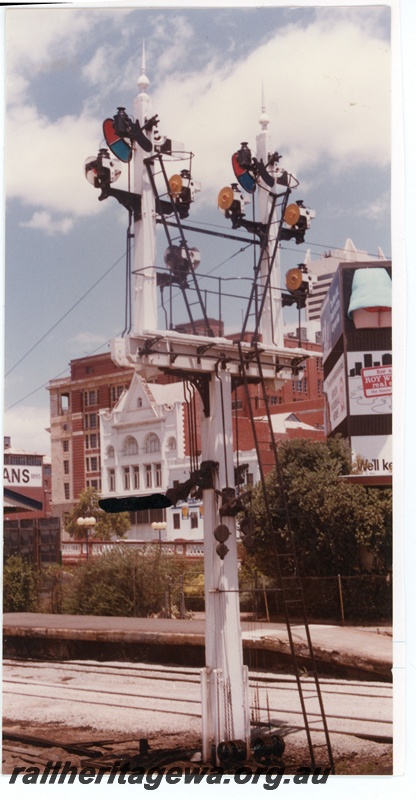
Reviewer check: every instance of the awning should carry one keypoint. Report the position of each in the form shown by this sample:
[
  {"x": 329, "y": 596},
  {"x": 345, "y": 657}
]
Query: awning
[{"x": 14, "y": 502}]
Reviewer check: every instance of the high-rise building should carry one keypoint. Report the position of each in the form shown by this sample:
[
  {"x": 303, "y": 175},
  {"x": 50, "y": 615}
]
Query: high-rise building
[{"x": 324, "y": 269}]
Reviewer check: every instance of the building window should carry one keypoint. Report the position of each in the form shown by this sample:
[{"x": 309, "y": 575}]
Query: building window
[
  {"x": 91, "y": 397},
  {"x": 65, "y": 445},
  {"x": 111, "y": 480},
  {"x": 116, "y": 392},
  {"x": 172, "y": 443},
  {"x": 273, "y": 400},
  {"x": 319, "y": 388},
  {"x": 66, "y": 467},
  {"x": 148, "y": 475},
  {"x": 110, "y": 451},
  {"x": 91, "y": 441},
  {"x": 158, "y": 474},
  {"x": 127, "y": 478},
  {"x": 237, "y": 405},
  {"x": 136, "y": 477},
  {"x": 194, "y": 519},
  {"x": 139, "y": 402},
  {"x": 250, "y": 479},
  {"x": 90, "y": 421},
  {"x": 130, "y": 448},
  {"x": 63, "y": 403},
  {"x": 152, "y": 444},
  {"x": 94, "y": 464},
  {"x": 176, "y": 522},
  {"x": 305, "y": 385},
  {"x": 66, "y": 491}
]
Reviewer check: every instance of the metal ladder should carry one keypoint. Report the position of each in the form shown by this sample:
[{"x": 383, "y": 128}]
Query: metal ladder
[{"x": 290, "y": 586}]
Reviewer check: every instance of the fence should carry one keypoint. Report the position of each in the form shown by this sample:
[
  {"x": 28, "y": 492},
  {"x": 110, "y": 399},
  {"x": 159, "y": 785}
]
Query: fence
[
  {"x": 36, "y": 540},
  {"x": 343, "y": 599},
  {"x": 76, "y": 552}
]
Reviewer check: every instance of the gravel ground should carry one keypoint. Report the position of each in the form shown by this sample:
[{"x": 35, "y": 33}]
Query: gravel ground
[{"x": 85, "y": 701}]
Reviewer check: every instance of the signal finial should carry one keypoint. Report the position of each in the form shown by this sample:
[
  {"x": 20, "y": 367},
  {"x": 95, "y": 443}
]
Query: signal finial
[
  {"x": 143, "y": 81},
  {"x": 264, "y": 118}
]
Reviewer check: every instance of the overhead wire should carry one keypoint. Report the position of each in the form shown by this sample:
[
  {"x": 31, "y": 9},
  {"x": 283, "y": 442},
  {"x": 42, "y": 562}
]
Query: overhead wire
[
  {"x": 55, "y": 325},
  {"x": 45, "y": 383},
  {"x": 324, "y": 247}
]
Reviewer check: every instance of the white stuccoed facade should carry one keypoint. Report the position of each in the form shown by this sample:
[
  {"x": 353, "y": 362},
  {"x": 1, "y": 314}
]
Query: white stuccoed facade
[{"x": 144, "y": 452}]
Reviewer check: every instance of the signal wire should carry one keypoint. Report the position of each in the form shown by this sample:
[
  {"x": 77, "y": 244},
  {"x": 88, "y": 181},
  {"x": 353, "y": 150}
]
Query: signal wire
[{"x": 55, "y": 325}]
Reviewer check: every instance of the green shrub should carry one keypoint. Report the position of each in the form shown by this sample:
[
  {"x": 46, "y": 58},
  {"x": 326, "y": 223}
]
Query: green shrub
[
  {"x": 127, "y": 582},
  {"x": 20, "y": 589}
]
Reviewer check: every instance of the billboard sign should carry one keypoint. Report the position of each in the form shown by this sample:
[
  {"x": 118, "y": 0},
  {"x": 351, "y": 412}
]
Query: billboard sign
[
  {"x": 377, "y": 381},
  {"x": 373, "y": 454},
  {"x": 26, "y": 476},
  {"x": 331, "y": 318},
  {"x": 335, "y": 397},
  {"x": 369, "y": 382}
]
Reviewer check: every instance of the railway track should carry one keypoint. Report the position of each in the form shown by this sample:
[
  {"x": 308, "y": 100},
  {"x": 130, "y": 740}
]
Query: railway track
[{"x": 134, "y": 701}]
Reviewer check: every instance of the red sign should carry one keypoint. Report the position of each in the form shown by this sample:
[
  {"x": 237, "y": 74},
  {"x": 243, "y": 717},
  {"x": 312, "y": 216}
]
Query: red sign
[{"x": 377, "y": 381}]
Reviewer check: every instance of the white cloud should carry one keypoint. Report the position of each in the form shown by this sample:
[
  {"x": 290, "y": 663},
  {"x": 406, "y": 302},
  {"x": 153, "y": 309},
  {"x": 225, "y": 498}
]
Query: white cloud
[
  {"x": 45, "y": 161},
  {"x": 26, "y": 427},
  {"x": 88, "y": 340},
  {"x": 43, "y": 221},
  {"x": 379, "y": 209},
  {"x": 326, "y": 90}
]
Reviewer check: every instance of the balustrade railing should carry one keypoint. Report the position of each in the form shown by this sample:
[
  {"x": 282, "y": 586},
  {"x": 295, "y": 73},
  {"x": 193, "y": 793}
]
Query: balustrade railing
[{"x": 74, "y": 551}]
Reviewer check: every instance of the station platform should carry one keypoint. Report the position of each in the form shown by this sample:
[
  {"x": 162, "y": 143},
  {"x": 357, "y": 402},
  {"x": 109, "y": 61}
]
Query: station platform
[{"x": 343, "y": 651}]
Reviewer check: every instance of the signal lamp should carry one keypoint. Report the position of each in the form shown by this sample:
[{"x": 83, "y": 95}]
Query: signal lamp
[
  {"x": 195, "y": 257},
  {"x": 292, "y": 214},
  {"x": 175, "y": 184},
  {"x": 225, "y": 198},
  {"x": 222, "y": 551},
  {"x": 100, "y": 169},
  {"x": 221, "y": 534},
  {"x": 294, "y": 279}
]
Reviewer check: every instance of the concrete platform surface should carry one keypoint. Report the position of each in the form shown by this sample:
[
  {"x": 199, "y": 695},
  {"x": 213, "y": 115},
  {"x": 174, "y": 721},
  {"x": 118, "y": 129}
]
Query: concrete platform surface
[{"x": 368, "y": 649}]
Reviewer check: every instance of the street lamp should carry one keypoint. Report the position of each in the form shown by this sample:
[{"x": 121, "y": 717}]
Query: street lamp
[
  {"x": 87, "y": 523},
  {"x": 159, "y": 526}
]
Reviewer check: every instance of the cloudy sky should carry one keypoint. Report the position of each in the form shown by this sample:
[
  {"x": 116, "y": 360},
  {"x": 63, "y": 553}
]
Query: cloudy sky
[{"x": 325, "y": 77}]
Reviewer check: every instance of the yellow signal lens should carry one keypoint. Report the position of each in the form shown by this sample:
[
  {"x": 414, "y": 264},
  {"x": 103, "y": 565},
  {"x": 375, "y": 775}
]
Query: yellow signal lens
[
  {"x": 292, "y": 214},
  {"x": 294, "y": 279},
  {"x": 175, "y": 184},
  {"x": 225, "y": 198}
]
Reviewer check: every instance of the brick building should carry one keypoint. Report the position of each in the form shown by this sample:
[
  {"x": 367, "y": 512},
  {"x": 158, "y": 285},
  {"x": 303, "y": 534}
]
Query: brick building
[
  {"x": 27, "y": 484},
  {"x": 94, "y": 383}
]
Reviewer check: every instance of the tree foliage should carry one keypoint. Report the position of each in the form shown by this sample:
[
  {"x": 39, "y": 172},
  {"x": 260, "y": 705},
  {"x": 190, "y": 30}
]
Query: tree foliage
[
  {"x": 127, "y": 582},
  {"x": 332, "y": 520},
  {"x": 20, "y": 590},
  {"x": 106, "y": 524}
]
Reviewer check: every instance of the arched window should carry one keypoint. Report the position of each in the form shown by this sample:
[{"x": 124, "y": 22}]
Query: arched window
[
  {"x": 130, "y": 448},
  {"x": 171, "y": 443},
  {"x": 110, "y": 451},
  {"x": 152, "y": 443}
]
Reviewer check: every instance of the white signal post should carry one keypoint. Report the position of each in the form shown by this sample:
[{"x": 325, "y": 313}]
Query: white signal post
[
  {"x": 224, "y": 681},
  {"x": 272, "y": 318},
  {"x": 145, "y": 296}
]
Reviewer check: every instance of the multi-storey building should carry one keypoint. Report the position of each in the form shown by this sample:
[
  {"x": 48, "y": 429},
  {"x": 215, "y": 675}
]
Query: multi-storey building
[
  {"x": 27, "y": 484},
  {"x": 303, "y": 396},
  {"x": 324, "y": 269},
  {"x": 95, "y": 383}
]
